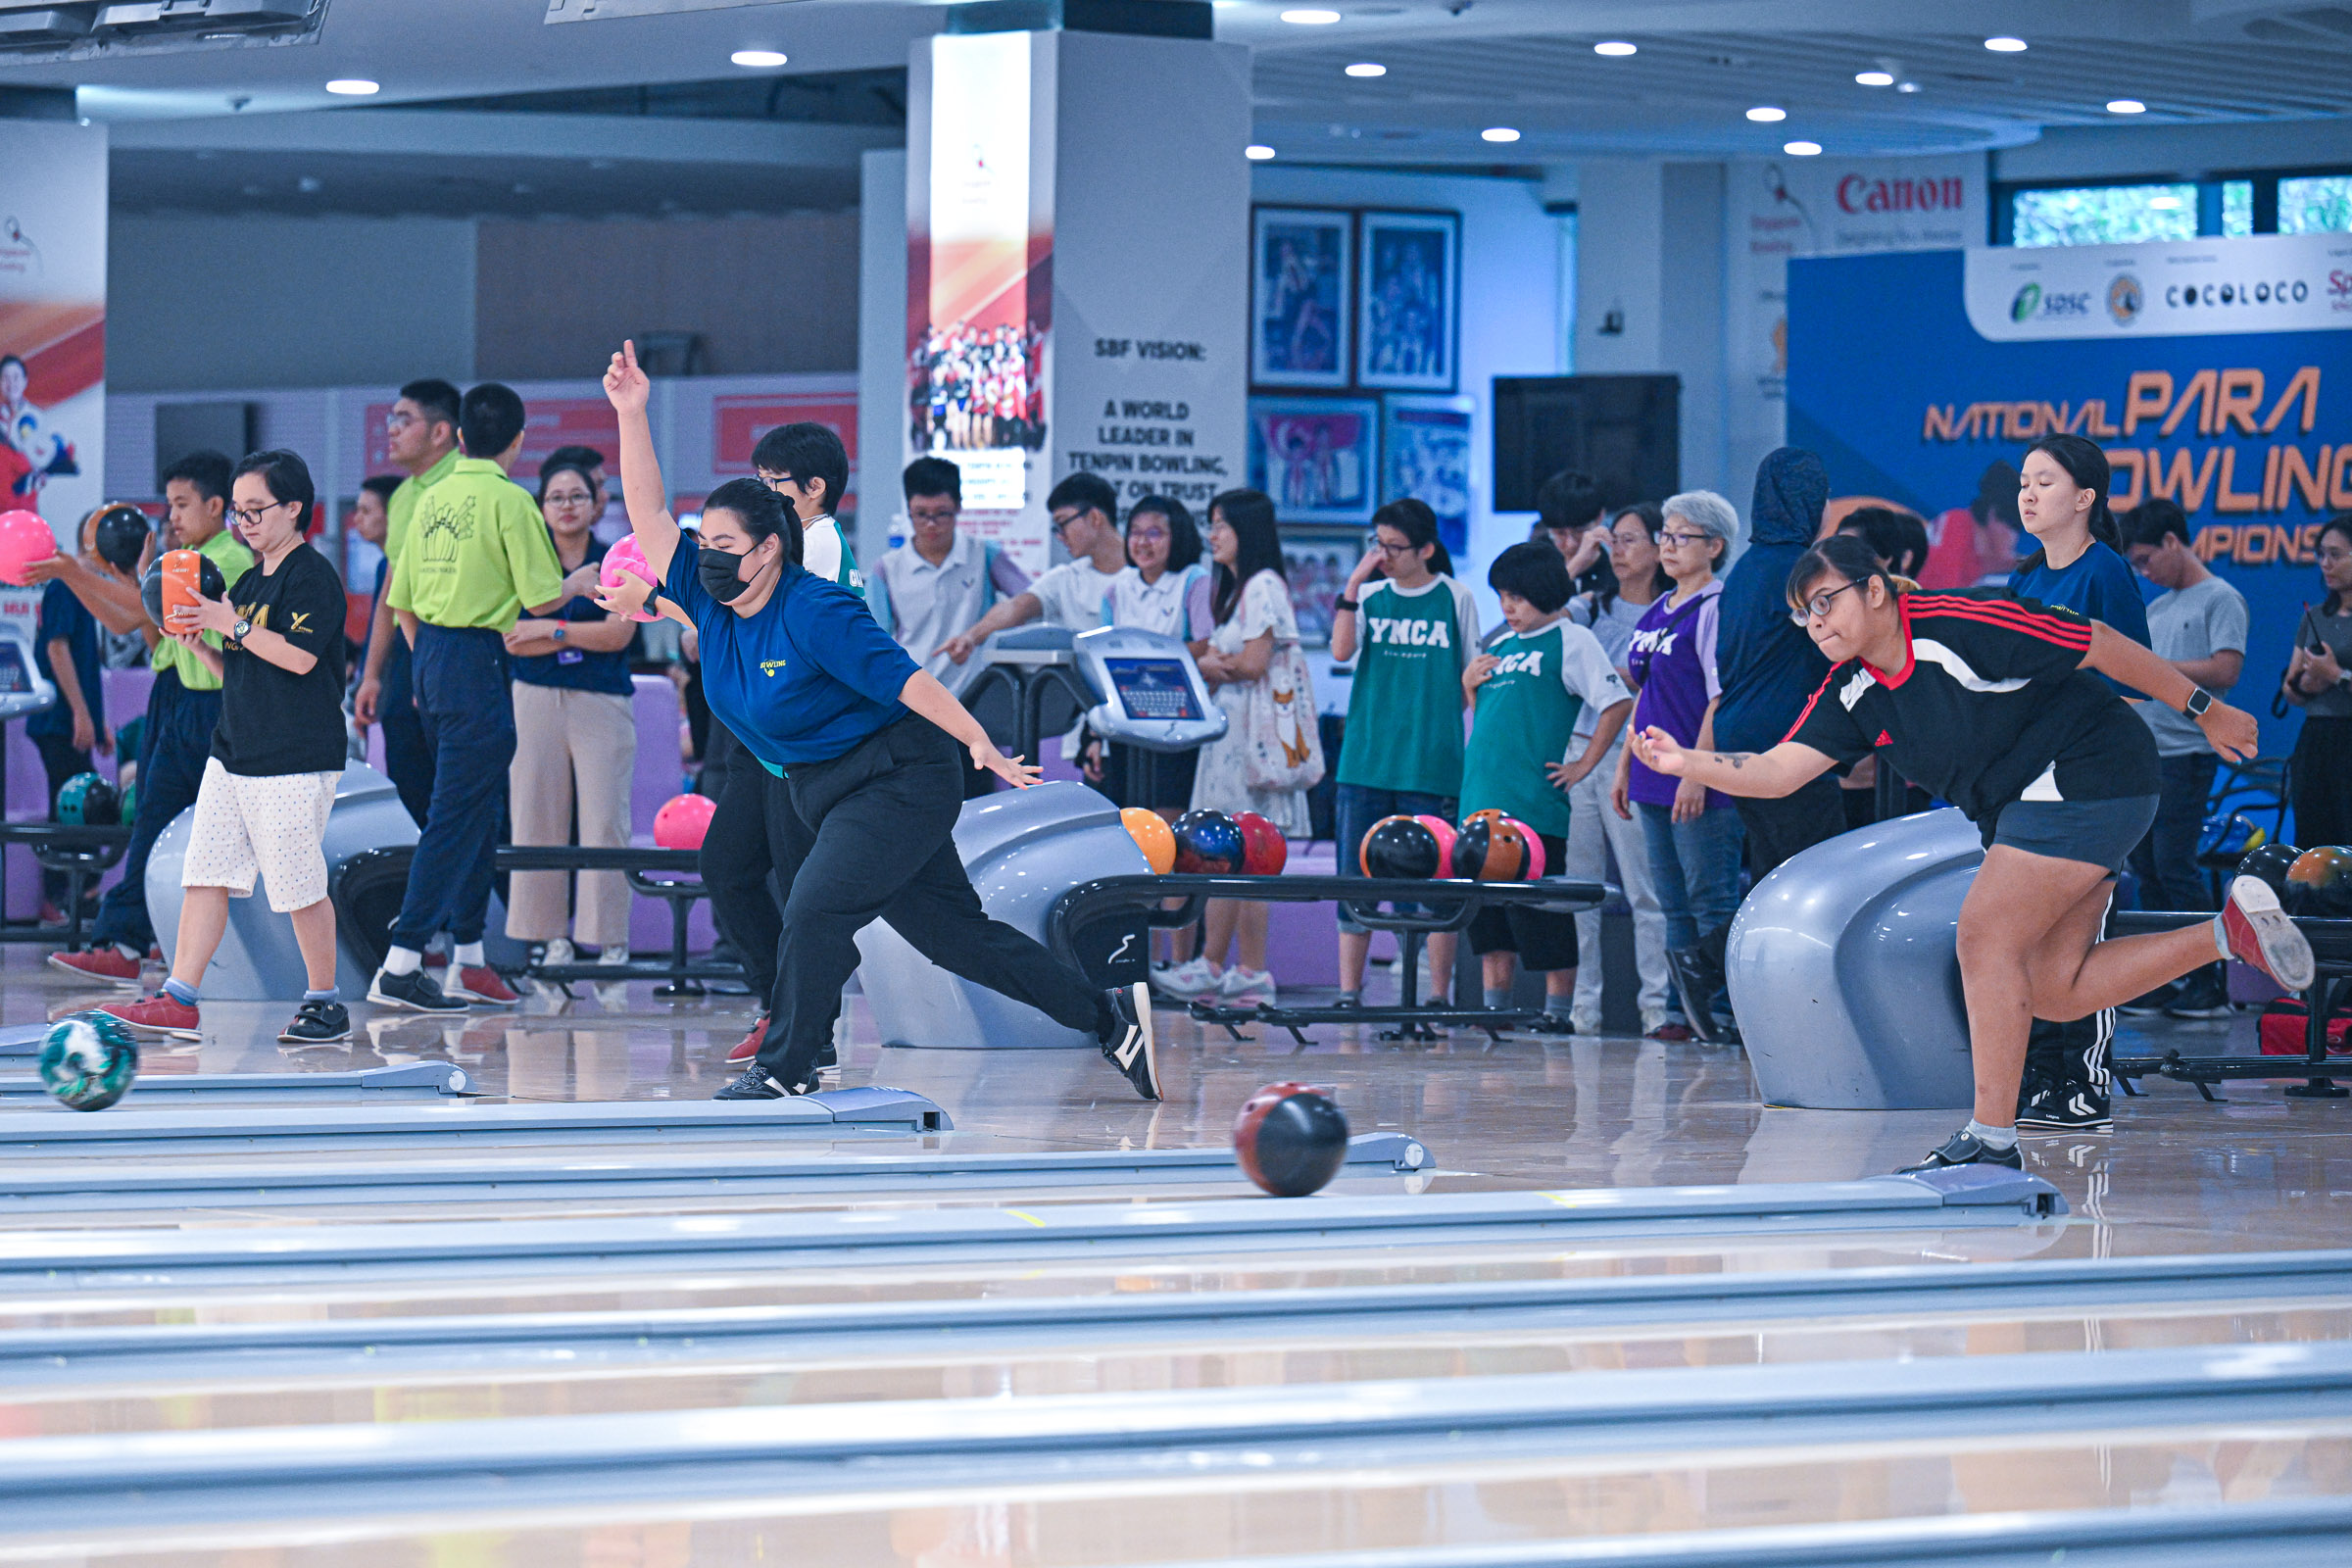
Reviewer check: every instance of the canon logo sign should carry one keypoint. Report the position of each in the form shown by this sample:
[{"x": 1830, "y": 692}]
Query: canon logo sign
[{"x": 1860, "y": 193}]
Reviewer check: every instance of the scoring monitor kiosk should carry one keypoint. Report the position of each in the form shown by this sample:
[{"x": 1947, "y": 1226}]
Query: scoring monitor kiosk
[{"x": 1153, "y": 696}]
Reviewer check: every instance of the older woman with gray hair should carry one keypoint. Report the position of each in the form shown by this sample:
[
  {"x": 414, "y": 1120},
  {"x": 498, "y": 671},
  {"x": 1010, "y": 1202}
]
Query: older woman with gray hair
[{"x": 1693, "y": 833}]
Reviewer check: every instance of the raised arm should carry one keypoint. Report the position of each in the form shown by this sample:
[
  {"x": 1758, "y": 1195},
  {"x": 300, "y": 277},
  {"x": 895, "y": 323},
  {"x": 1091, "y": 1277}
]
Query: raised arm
[
  {"x": 2233, "y": 730},
  {"x": 641, "y": 489},
  {"x": 1764, "y": 775}
]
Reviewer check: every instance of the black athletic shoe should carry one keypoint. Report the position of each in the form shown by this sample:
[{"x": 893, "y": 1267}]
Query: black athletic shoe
[
  {"x": 2057, "y": 1106},
  {"x": 1545, "y": 1023},
  {"x": 1127, "y": 1042},
  {"x": 416, "y": 991},
  {"x": 1961, "y": 1148},
  {"x": 2149, "y": 1003},
  {"x": 755, "y": 1084},
  {"x": 318, "y": 1023},
  {"x": 2201, "y": 997}
]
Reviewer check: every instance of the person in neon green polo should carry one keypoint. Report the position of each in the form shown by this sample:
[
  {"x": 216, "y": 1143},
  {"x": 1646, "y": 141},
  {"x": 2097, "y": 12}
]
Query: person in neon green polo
[
  {"x": 420, "y": 436},
  {"x": 473, "y": 554}
]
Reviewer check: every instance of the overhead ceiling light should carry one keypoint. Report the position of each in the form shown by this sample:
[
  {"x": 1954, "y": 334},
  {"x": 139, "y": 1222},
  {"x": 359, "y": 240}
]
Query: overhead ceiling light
[
  {"x": 2006, "y": 46},
  {"x": 1875, "y": 78},
  {"x": 1801, "y": 149},
  {"x": 1311, "y": 17},
  {"x": 1366, "y": 68},
  {"x": 1498, "y": 133},
  {"x": 758, "y": 59},
  {"x": 1906, "y": 86},
  {"x": 1615, "y": 48},
  {"x": 353, "y": 87},
  {"x": 1258, "y": 152},
  {"x": 2164, "y": 204},
  {"x": 1767, "y": 114},
  {"x": 2125, "y": 106}
]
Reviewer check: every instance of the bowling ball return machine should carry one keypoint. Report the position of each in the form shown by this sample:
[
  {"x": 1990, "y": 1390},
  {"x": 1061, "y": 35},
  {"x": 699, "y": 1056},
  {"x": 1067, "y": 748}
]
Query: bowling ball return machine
[{"x": 82, "y": 853}]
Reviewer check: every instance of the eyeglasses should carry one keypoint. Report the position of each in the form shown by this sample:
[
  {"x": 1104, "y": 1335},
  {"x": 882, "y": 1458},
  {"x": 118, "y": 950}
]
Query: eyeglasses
[
  {"x": 1813, "y": 609},
  {"x": 2333, "y": 556},
  {"x": 776, "y": 481},
  {"x": 1684, "y": 538},
  {"x": 400, "y": 422},
  {"x": 251, "y": 519},
  {"x": 1062, "y": 520},
  {"x": 1148, "y": 535},
  {"x": 569, "y": 498},
  {"x": 1393, "y": 551}
]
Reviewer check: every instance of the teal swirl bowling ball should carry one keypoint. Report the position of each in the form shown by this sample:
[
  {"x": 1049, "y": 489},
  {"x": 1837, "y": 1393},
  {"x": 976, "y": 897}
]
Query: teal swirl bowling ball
[{"x": 88, "y": 1060}]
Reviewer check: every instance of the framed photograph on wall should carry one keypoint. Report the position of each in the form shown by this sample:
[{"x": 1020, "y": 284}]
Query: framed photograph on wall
[
  {"x": 1301, "y": 261},
  {"x": 1315, "y": 562},
  {"x": 1425, "y": 453},
  {"x": 1408, "y": 302},
  {"x": 1318, "y": 457}
]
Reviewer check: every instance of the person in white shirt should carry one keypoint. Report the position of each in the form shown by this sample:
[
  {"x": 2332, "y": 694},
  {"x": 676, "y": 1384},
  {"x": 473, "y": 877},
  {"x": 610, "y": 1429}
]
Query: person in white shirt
[
  {"x": 1164, "y": 589},
  {"x": 1084, "y": 510}
]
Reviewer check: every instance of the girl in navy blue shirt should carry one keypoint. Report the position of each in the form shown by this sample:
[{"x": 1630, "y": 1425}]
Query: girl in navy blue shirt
[{"x": 820, "y": 695}]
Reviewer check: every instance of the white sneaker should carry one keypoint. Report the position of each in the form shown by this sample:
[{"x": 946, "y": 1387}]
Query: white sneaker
[
  {"x": 616, "y": 954},
  {"x": 1194, "y": 977},
  {"x": 561, "y": 952},
  {"x": 1246, "y": 988},
  {"x": 1585, "y": 1022},
  {"x": 1653, "y": 1020}
]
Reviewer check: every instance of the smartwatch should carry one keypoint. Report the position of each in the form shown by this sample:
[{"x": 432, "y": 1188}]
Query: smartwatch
[
  {"x": 557, "y": 633},
  {"x": 2198, "y": 702}
]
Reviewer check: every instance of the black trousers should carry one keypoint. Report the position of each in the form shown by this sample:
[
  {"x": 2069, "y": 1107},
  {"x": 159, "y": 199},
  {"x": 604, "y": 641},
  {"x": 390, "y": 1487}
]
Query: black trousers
[
  {"x": 736, "y": 858},
  {"x": 60, "y": 761},
  {"x": 2322, "y": 774},
  {"x": 1777, "y": 830},
  {"x": 868, "y": 836}
]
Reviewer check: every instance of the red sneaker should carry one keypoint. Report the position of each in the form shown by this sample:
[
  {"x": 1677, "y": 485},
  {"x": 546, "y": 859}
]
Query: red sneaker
[
  {"x": 478, "y": 982},
  {"x": 1671, "y": 1030},
  {"x": 158, "y": 1014},
  {"x": 747, "y": 1048},
  {"x": 102, "y": 963},
  {"x": 2260, "y": 933}
]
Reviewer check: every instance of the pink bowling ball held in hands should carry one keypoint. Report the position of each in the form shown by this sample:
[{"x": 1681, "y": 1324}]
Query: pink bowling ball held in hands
[
  {"x": 24, "y": 538},
  {"x": 626, "y": 557}
]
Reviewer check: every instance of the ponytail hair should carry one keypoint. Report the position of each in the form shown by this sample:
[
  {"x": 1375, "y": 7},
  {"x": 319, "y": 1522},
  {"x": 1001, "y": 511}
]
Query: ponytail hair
[
  {"x": 1412, "y": 517},
  {"x": 2087, "y": 466},
  {"x": 1842, "y": 554}
]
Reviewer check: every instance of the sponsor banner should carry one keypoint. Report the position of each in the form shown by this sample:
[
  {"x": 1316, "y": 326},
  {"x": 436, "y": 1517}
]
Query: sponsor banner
[
  {"x": 53, "y": 320},
  {"x": 2197, "y": 288},
  {"x": 1893, "y": 383}
]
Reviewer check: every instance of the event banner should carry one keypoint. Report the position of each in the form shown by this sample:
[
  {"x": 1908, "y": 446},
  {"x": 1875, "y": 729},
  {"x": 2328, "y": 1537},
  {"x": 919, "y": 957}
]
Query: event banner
[
  {"x": 1898, "y": 379},
  {"x": 52, "y": 318}
]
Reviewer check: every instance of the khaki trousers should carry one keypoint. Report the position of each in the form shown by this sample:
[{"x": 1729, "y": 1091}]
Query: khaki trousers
[{"x": 567, "y": 741}]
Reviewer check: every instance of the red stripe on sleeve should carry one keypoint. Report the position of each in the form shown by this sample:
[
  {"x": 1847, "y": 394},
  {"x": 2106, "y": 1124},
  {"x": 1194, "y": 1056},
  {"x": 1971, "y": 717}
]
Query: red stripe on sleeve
[
  {"x": 2008, "y": 618},
  {"x": 1809, "y": 702}
]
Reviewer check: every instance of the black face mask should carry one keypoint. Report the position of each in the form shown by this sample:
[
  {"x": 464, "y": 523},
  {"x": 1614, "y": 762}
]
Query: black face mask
[{"x": 722, "y": 574}]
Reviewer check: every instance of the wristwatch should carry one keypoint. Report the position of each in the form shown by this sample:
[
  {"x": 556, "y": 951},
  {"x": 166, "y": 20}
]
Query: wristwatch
[
  {"x": 1342, "y": 604},
  {"x": 2198, "y": 701},
  {"x": 557, "y": 633},
  {"x": 240, "y": 631}
]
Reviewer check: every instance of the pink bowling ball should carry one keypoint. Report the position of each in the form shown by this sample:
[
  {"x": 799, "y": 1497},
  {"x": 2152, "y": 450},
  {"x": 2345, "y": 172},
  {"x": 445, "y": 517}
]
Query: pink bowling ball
[
  {"x": 626, "y": 557},
  {"x": 1442, "y": 831},
  {"x": 1534, "y": 850},
  {"x": 683, "y": 821},
  {"x": 24, "y": 538}
]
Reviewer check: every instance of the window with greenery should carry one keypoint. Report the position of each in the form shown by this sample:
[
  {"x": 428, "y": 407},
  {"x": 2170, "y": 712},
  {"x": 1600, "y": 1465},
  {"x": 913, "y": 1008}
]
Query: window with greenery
[
  {"x": 2320, "y": 204},
  {"x": 2237, "y": 207},
  {"x": 2310, "y": 200},
  {"x": 2103, "y": 214}
]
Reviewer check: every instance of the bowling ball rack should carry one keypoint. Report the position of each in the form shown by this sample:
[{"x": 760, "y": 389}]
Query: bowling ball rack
[
  {"x": 2332, "y": 950},
  {"x": 1444, "y": 903},
  {"x": 82, "y": 853}
]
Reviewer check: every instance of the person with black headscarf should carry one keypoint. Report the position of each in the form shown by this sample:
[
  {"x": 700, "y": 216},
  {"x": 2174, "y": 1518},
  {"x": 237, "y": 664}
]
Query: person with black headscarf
[{"x": 1767, "y": 665}]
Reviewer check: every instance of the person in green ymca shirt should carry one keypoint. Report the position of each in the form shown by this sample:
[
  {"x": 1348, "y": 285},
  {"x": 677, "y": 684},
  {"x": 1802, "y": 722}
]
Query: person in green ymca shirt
[
  {"x": 1402, "y": 754},
  {"x": 1527, "y": 691}
]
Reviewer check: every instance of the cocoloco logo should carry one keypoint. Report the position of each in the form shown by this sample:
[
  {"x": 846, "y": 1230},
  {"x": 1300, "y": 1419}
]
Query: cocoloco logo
[
  {"x": 2125, "y": 300},
  {"x": 2282, "y": 291}
]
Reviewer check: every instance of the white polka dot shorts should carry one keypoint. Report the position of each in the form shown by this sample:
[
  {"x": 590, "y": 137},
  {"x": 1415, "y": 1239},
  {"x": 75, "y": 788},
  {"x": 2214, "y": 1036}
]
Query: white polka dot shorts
[{"x": 269, "y": 825}]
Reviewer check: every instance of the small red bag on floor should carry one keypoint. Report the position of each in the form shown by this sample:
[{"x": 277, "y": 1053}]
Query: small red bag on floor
[{"x": 2282, "y": 1026}]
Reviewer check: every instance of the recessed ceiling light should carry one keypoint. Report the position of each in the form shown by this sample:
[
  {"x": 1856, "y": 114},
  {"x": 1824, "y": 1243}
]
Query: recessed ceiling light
[
  {"x": 758, "y": 59},
  {"x": 1615, "y": 48},
  {"x": 1311, "y": 17},
  {"x": 1498, "y": 133},
  {"x": 309, "y": 184},
  {"x": 1906, "y": 86},
  {"x": 352, "y": 87},
  {"x": 1767, "y": 114},
  {"x": 1258, "y": 153},
  {"x": 1801, "y": 149},
  {"x": 2125, "y": 106},
  {"x": 1875, "y": 78},
  {"x": 2164, "y": 204},
  {"x": 1366, "y": 68},
  {"x": 2006, "y": 46}
]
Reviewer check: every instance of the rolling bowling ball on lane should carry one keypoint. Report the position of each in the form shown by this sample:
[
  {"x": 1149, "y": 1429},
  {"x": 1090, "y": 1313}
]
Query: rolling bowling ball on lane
[
  {"x": 2269, "y": 863},
  {"x": 88, "y": 1060},
  {"x": 1443, "y": 831},
  {"x": 1289, "y": 1140},
  {"x": 1400, "y": 847},
  {"x": 2320, "y": 881},
  {"x": 1491, "y": 848},
  {"x": 87, "y": 801},
  {"x": 1209, "y": 844},
  {"x": 1152, "y": 836},
  {"x": 1265, "y": 850}
]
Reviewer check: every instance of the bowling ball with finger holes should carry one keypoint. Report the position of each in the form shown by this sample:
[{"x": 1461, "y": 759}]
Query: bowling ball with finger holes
[
  {"x": 1535, "y": 847},
  {"x": 1265, "y": 850},
  {"x": 1442, "y": 831},
  {"x": 683, "y": 821},
  {"x": 121, "y": 535},
  {"x": 24, "y": 538},
  {"x": 1491, "y": 849},
  {"x": 170, "y": 579},
  {"x": 1209, "y": 844},
  {"x": 626, "y": 557},
  {"x": 1289, "y": 1140},
  {"x": 2320, "y": 883},
  {"x": 87, "y": 799},
  {"x": 1400, "y": 847},
  {"x": 1151, "y": 835},
  {"x": 2270, "y": 865},
  {"x": 88, "y": 1060}
]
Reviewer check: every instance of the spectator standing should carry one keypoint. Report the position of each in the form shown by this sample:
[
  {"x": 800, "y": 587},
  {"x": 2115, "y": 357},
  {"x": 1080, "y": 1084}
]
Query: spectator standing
[
  {"x": 939, "y": 583},
  {"x": 184, "y": 707},
  {"x": 1768, "y": 665},
  {"x": 1415, "y": 631},
  {"x": 1527, "y": 690},
  {"x": 65, "y": 652},
  {"x": 1693, "y": 832},
  {"x": 576, "y": 738},
  {"x": 1597, "y": 834},
  {"x": 1269, "y": 756},
  {"x": 475, "y": 556},
  {"x": 1897, "y": 538},
  {"x": 420, "y": 436},
  {"x": 1085, "y": 510},
  {"x": 392, "y": 698},
  {"x": 807, "y": 465},
  {"x": 2318, "y": 680},
  {"x": 1569, "y": 512},
  {"x": 1165, "y": 589}
]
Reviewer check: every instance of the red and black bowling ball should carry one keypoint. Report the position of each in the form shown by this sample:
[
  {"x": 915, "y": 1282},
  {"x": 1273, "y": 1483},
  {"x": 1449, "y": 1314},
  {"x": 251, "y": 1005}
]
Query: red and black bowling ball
[
  {"x": 2320, "y": 882},
  {"x": 1209, "y": 844},
  {"x": 1289, "y": 1140},
  {"x": 1400, "y": 847},
  {"x": 2270, "y": 865},
  {"x": 1491, "y": 848},
  {"x": 1265, "y": 850}
]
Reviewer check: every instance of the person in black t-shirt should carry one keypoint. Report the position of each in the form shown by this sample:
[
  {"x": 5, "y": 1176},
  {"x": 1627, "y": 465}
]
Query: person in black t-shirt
[
  {"x": 278, "y": 752},
  {"x": 1995, "y": 703}
]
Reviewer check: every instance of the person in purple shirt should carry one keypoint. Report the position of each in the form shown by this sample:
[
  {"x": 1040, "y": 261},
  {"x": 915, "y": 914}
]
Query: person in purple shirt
[{"x": 1693, "y": 833}]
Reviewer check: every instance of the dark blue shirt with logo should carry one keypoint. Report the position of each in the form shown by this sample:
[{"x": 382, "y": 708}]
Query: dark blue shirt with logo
[{"x": 64, "y": 616}]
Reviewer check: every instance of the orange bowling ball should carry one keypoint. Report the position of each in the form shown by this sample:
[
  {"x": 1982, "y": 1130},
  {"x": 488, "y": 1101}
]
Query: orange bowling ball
[{"x": 1152, "y": 836}]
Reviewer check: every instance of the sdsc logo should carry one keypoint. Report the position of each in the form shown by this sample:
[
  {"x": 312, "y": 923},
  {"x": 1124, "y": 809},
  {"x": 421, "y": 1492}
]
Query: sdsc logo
[
  {"x": 2032, "y": 302},
  {"x": 2028, "y": 301}
]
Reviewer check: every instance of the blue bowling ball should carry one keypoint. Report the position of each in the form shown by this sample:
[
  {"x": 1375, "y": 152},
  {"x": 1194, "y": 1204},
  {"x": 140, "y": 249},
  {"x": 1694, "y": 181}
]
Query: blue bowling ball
[{"x": 1209, "y": 844}]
